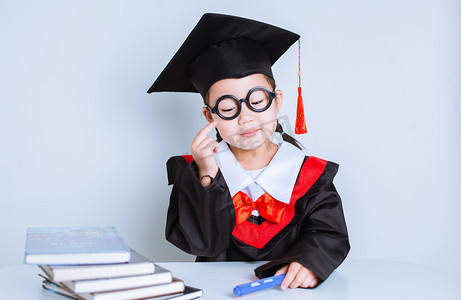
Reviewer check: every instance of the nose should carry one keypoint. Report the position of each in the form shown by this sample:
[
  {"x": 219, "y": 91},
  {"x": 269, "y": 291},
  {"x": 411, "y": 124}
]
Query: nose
[{"x": 246, "y": 114}]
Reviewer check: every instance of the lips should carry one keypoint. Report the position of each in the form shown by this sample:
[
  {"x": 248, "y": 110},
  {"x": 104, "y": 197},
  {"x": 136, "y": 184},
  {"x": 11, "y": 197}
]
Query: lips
[{"x": 250, "y": 133}]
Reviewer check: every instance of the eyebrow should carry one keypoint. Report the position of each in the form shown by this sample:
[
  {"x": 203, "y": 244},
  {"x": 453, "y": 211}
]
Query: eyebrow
[{"x": 257, "y": 86}]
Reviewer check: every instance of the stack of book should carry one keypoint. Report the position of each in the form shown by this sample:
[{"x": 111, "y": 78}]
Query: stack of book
[{"x": 95, "y": 263}]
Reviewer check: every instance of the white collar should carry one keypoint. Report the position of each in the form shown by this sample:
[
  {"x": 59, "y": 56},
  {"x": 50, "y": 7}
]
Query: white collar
[{"x": 277, "y": 179}]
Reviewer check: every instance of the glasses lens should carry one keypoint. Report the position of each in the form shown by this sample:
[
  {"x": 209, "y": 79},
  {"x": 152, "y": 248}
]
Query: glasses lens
[
  {"x": 259, "y": 99},
  {"x": 228, "y": 107}
]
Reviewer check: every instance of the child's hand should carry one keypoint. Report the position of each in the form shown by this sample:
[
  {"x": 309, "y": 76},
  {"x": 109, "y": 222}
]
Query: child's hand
[
  {"x": 202, "y": 149},
  {"x": 297, "y": 275}
]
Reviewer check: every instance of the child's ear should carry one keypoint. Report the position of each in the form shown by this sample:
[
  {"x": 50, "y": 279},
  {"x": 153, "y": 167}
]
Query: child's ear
[
  {"x": 207, "y": 113},
  {"x": 278, "y": 99}
]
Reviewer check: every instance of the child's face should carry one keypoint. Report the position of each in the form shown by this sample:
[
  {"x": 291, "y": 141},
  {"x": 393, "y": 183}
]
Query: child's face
[{"x": 250, "y": 129}]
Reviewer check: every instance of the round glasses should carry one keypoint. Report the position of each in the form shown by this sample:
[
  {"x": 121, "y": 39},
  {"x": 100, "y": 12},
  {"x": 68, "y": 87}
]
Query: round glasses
[{"x": 258, "y": 99}]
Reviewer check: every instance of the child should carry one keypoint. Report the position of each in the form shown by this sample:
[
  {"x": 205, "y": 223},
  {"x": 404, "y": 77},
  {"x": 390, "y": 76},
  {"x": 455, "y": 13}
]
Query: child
[{"x": 244, "y": 197}]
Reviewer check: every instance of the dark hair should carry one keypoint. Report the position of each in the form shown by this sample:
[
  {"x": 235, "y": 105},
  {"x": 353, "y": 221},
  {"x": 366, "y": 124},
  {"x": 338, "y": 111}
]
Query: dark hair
[{"x": 285, "y": 136}]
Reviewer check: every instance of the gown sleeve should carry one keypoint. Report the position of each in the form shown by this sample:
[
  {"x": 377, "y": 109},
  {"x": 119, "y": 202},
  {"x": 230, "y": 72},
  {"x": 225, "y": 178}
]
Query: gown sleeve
[
  {"x": 322, "y": 242},
  {"x": 200, "y": 219}
]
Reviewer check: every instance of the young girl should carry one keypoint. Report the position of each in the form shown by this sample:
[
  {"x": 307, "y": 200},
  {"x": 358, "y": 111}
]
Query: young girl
[{"x": 244, "y": 197}]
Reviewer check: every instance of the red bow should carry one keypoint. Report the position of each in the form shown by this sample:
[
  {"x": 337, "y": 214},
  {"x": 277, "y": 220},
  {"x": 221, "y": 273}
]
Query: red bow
[{"x": 269, "y": 208}]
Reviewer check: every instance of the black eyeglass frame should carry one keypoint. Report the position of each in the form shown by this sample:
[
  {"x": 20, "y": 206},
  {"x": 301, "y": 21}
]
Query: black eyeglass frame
[{"x": 215, "y": 110}]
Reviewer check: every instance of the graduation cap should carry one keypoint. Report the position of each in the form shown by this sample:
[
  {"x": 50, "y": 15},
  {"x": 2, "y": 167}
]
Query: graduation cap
[{"x": 223, "y": 46}]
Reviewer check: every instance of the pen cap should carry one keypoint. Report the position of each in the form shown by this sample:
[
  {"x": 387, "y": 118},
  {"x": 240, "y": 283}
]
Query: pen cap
[
  {"x": 258, "y": 285},
  {"x": 238, "y": 291}
]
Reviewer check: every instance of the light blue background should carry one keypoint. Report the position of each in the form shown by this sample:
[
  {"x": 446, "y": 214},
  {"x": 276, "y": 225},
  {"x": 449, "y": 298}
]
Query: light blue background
[{"x": 82, "y": 143}]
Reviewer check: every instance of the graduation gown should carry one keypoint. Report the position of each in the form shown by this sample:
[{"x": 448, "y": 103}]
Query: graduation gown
[{"x": 201, "y": 220}]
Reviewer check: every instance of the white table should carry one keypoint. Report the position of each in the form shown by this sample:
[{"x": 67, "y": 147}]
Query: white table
[{"x": 354, "y": 279}]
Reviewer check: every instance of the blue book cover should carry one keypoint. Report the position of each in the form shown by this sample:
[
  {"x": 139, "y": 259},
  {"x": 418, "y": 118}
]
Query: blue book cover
[{"x": 75, "y": 245}]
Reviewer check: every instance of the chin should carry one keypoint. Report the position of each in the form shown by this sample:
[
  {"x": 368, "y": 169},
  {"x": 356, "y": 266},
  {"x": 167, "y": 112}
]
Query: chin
[{"x": 249, "y": 143}]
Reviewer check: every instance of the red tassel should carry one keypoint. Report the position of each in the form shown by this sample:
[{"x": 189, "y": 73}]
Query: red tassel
[{"x": 300, "y": 126}]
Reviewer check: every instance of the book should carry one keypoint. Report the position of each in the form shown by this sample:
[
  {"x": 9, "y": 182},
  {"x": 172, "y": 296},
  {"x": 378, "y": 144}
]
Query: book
[
  {"x": 74, "y": 245},
  {"x": 161, "y": 291},
  {"x": 58, "y": 289},
  {"x": 189, "y": 293},
  {"x": 138, "y": 265},
  {"x": 161, "y": 276}
]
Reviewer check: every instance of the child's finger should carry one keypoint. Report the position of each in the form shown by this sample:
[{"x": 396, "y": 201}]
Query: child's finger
[
  {"x": 290, "y": 275},
  {"x": 307, "y": 282},
  {"x": 202, "y": 135},
  {"x": 311, "y": 280},
  {"x": 208, "y": 144},
  {"x": 216, "y": 148},
  {"x": 313, "y": 283},
  {"x": 201, "y": 140},
  {"x": 205, "y": 130},
  {"x": 283, "y": 270},
  {"x": 299, "y": 278}
]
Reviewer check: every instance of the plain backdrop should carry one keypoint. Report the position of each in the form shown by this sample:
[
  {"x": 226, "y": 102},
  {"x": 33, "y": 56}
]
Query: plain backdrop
[{"x": 82, "y": 143}]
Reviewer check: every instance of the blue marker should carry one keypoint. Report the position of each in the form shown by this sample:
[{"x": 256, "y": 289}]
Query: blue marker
[{"x": 258, "y": 285}]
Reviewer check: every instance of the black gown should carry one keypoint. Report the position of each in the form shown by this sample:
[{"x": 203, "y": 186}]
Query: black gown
[{"x": 201, "y": 221}]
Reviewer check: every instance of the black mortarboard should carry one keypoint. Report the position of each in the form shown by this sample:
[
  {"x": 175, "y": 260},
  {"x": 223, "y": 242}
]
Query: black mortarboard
[{"x": 222, "y": 46}]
